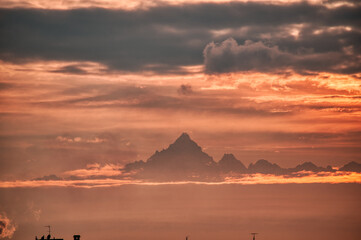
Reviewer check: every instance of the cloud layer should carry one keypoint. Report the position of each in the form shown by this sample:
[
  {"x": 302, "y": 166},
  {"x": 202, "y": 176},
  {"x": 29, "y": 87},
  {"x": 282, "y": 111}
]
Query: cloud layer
[
  {"x": 228, "y": 56},
  {"x": 252, "y": 179},
  {"x": 164, "y": 38}
]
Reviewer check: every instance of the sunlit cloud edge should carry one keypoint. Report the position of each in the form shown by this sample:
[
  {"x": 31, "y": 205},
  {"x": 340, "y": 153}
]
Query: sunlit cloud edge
[{"x": 249, "y": 179}]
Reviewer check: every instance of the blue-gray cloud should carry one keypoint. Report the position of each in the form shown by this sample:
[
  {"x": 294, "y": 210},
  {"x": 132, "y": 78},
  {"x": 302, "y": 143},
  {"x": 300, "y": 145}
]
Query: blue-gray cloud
[
  {"x": 228, "y": 56},
  {"x": 165, "y": 38}
]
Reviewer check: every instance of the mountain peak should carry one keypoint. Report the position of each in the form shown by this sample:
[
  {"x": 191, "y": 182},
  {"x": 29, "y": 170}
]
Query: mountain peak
[
  {"x": 228, "y": 157},
  {"x": 229, "y": 163},
  {"x": 262, "y": 162},
  {"x": 307, "y": 166},
  {"x": 185, "y": 143},
  {"x": 351, "y": 167},
  {"x": 183, "y": 149},
  {"x": 184, "y": 137},
  {"x": 310, "y": 164},
  {"x": 264, "y": 166},
  {"x": 183, "y": 159}
]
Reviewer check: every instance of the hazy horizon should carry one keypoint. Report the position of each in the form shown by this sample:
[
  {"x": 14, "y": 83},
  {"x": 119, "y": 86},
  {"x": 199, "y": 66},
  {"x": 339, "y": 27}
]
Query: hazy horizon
[{"x": 171, "y": 212}]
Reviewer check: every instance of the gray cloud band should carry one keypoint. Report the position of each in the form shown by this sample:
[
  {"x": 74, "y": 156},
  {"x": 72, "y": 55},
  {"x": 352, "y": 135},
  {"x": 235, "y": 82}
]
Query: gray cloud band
[
  {"x": 165, "y": 38},
  {"x": 228, "y": 56}
]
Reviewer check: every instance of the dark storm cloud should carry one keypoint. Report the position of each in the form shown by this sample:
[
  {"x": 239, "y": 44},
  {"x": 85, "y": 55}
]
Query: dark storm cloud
[
  {"x": 164, "y": 38},
  {"x": 231, "y": 57}
]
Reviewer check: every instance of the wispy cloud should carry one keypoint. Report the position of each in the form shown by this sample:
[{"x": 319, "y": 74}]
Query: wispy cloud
[
  {"x": 95, "y": 170},
  {"x": 80, "y": 140}
]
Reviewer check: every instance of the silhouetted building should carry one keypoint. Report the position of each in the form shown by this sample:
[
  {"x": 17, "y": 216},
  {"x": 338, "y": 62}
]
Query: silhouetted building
[
  {"x": 76, "y": 237},
  {"x": 48, "y": 238}
]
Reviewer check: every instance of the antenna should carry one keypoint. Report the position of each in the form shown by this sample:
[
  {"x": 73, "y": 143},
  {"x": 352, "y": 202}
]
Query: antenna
[
  {"x": 187, "y": 237},
  {"x": 254, "y": 235},
  {"x": 48, "y": 228}
]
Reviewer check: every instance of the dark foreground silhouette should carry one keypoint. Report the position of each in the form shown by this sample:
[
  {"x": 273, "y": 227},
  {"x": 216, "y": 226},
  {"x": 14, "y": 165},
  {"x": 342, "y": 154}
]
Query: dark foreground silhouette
[{"x": 76, "y": 237}]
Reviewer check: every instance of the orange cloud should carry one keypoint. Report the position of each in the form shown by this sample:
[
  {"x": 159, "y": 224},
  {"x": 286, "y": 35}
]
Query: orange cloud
[
  {"x": 79, "y": 140},
  {"x": 251, "y": 179},
  {"x": 7, "y": 228},
  {"x": 96, "y": 170}
]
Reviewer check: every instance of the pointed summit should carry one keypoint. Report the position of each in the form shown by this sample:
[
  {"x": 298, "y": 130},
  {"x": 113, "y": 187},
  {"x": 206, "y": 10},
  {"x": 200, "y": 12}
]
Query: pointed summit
[
  {"x": 185, "y": 144},
  {"x": 351, "y": 167},
  {"x": 183, "y": 159},
  {"x": 263, "y": 166},
  {"x": 184, "y": 136},
  {"x": 229, "y": 163},
  {"x": 228, "y": 157},
  {"x": 182, "y": 146}
]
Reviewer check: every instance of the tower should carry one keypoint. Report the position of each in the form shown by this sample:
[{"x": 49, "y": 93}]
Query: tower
[
  {"x": 48, "y": 229},
  {"x": 254, "y": 235}
]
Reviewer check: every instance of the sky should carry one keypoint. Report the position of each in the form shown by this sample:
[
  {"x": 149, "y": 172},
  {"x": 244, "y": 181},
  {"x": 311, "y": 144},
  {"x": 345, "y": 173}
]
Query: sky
[{"x": 90, "y": 86}]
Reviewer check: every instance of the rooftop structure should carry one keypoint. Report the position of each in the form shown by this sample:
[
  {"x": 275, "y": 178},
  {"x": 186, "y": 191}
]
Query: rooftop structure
[{"x": 76, "y": 237}]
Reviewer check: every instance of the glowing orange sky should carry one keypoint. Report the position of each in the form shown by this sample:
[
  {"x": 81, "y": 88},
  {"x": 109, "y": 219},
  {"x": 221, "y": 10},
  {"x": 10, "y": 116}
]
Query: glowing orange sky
[
  {"x": 67, "y": 93},
  {"x": 89, "y": 88},
  {"x": 317, "y": 112}
]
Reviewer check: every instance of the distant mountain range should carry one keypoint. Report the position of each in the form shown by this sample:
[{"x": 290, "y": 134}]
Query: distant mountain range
[{"x": 185, "y": 160}]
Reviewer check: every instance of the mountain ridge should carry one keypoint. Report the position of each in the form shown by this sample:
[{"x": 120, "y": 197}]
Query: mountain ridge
[{"x": 184, "y": 159}]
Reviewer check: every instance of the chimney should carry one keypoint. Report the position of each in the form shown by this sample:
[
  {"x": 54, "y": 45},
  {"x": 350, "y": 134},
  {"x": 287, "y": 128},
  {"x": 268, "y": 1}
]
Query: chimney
[{"x": 76, "y": 237}]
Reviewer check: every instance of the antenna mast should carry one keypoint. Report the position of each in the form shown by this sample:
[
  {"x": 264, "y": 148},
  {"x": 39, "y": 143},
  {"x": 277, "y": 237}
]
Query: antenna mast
[
  {"x": 48, "y": 229},
  {"x": 254, "y": 235}
]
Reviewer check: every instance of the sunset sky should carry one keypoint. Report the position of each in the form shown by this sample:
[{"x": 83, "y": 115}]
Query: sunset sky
[{"x": 98, "y": 84}]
